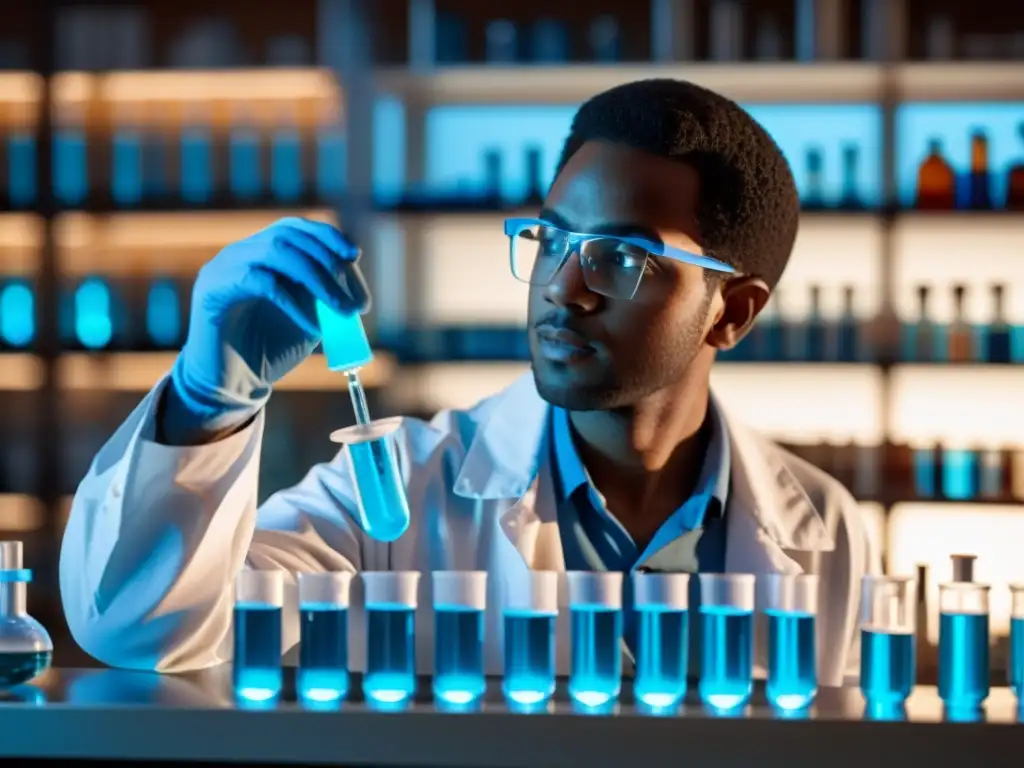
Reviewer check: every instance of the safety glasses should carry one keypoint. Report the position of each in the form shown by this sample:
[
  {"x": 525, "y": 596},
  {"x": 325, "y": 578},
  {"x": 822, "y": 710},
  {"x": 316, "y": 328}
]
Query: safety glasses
[{"x": 612, "y": 265}]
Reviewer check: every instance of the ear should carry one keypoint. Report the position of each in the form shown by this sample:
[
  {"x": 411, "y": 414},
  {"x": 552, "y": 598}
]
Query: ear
[{"x": 742, "y": 299}]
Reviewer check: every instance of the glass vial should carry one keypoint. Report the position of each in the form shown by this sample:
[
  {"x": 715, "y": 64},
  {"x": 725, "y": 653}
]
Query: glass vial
[
  {"x": 727, "y": 640},
  {"x": 792, "y": 605},
  {"x": 961, "y": 335},
  {"x": 998, "y": 337},
  {"x": 391, "y": 599},
  {"x": 259, "y": 596},
  {"x": 460, "y": 599},
  {"x": 25, "y": 646},
  {"x": 662, "y": 603},
  {"x": 323, "y": 637},
  {"x": 531, "y": 611},
  {"x": 887, "y": 661},
  {"x": 595, "y": 604},
  {"x": 963, "y": 645}
]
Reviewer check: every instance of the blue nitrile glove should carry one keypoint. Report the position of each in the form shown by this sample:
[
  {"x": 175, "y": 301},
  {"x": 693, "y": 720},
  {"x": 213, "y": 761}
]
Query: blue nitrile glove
[{"x": 254, "y": 319}]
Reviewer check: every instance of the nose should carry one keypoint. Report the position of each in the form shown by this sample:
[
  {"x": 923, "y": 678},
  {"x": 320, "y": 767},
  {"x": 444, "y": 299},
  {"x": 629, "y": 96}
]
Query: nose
[{"x": 568, "y": 288}]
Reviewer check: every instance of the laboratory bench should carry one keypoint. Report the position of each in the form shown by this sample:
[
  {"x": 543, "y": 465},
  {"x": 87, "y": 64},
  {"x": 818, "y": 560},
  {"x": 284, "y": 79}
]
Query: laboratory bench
[{"x": 93, "y": 715}]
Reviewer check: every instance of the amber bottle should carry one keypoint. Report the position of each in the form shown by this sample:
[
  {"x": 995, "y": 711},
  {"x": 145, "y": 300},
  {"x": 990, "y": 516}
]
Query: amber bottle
[
  {"x": 979, "y": 183},
  {"x": 1015, "y": 181},
  {"x": 936, "y": 182}
]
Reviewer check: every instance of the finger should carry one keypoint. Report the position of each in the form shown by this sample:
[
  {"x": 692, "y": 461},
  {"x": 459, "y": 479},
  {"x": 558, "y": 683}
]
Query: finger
[
  {"x": 326, "y": 233},
  {"x": 276, "y": 289},
  {"x": 345, "y": 273},
  {"x": 302, "y": 268}
]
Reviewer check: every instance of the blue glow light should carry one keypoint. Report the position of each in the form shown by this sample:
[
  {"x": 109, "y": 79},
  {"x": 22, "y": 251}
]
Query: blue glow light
[
  {"x": 17, "y": 314},
  {"x": 93, "y": 323}
]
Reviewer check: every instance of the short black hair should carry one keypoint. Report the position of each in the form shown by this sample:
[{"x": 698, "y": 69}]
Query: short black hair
[{"x": 748, "y": 208}]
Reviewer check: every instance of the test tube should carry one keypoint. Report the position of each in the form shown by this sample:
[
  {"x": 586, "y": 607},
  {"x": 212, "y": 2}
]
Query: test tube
[
  {"x": 323, "y": 634},
  {"x": 530, "y": 612},
  {"x": 792, "y": 605},
  {"x": 595, "y": 604},
  {"x": 888, "y": 662},
  {"x": 369, "y": 456},
  {"x": 727, "y": 639},
  {"x": 963, "y": 645},
  {"x": 391, "y": 600},
  {"x": 460, "y": 598},
  {"x": 1015, "y": 668},
  {"x": 663, "y": 638},
  {"x": 259, "y": 596}
]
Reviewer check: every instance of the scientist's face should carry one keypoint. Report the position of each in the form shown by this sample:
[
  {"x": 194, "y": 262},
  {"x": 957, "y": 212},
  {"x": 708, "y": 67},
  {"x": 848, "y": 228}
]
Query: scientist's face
[{"x": 592, "y": 352}]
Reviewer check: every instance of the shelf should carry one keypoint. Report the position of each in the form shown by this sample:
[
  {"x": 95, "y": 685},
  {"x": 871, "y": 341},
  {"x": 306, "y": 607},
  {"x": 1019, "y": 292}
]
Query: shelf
[
  {"x": 21, "y": 372},
  {"x": 976, "y": 250},
  {"x": 961, "y": 405},
  {"x": 20, "y": 513},
  {"x": 140, "y": 371}
]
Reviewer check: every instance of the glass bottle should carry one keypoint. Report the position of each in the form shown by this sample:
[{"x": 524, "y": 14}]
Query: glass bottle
[
  {"x": 814, "y": 350},
  {"x": 25, "y": 645},
  {"x": 1015, "y": 181},
  {"x": 603, "y": 37},
  {"x": 979, "y": 187},
  {"x": 923, "y": 332},
  {"x": 961, "y": 337},
  {"x": 991, "y": 473},
  {"x": 936, "y": 182},
  {"x": 850, "y": 199},
  {"x": 814, "y": 197},
  {"x": 998, "y": 337},
  {"x": 847, "y": 343},
  {"x": 534, "y": 181}
]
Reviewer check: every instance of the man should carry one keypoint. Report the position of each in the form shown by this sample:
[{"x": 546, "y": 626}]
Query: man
[{"x": 671, "y": 218}]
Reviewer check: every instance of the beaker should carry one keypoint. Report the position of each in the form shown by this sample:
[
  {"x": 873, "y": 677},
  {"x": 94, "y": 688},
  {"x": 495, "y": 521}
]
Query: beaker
[
  {"x": 259, "y": 596},
  {"x": 791, "y": 606},
  {"x": 595, "y": 609},
  {"x": 727, "y": 640},
  {"x": 963, "y": 645},
  {"x": 530, "y": 612},
  {"x": 888, "y": 660},
  {"x": 25, "y": 645},
  {"x": 391, "y": 599},
  {"x": 369, "y": 456},
  {"x": 662, "y": 603},
  {"x": 460, "y": 598},
  {"x": 323, "y": 636}
]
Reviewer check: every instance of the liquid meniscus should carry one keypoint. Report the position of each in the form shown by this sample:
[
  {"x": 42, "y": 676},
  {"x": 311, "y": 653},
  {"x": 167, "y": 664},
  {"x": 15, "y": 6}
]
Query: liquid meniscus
[
  {"x": 390, "y": 678},
  {"x": 529, "y": 658},
  {"x": 662, "y": 658},
  {"x": 19, "y": 667},
  {"x": 458, "y": 655},
  {"x": 257, "y": 652},
  {"x": 323, "y": 653},
  {"x": 727, "y": 657},
  {"x": 888, "y": 667},
  {"x": 792, "y": 680},
  {"x": 963, "y": 659}
]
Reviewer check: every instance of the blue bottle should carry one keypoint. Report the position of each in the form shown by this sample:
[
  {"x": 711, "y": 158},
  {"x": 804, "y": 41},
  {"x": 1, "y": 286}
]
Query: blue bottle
[
  {"x": 245, "y": 163},
  {"x": 286, "y": 171},
  {"x": 21, "y": 169},
  {"x": 888, "y": 667},
  {"x": 17, "y": 314},
  {"x": 331, "y": 159},
  {"x": 959, "y": 474},
  {"x": 925, "y": 474},
  {"x": 196, "y": 180},
  {"x": 963, "y": 659},
  {"x": 94, "y": 322},
  {"x": 1015, "y": 669},
  {"x": 163, "y": 314},
  {"x": 70, "y": 167},
  {"x": 126, "y": 181},
  {"x": 792, "y": 679}
]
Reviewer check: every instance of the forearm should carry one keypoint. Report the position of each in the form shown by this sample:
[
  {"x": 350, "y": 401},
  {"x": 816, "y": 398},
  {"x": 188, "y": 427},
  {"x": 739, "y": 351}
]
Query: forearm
[{"x": 179, "y": 424}]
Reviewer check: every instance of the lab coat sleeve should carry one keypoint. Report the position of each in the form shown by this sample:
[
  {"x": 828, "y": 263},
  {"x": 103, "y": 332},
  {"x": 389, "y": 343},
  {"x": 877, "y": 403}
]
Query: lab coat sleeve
[{"x": 157, "y": 534}]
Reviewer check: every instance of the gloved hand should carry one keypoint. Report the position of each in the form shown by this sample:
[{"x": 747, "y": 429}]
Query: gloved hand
[{"x": 253, "y": 319}]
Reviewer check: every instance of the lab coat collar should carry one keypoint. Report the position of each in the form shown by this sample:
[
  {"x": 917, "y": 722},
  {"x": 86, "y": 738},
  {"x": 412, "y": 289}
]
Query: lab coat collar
[{"x": 505, "y": 456}]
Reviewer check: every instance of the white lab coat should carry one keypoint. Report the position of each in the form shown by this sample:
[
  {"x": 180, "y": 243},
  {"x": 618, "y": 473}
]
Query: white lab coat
[{"x": 157, "y": 533}]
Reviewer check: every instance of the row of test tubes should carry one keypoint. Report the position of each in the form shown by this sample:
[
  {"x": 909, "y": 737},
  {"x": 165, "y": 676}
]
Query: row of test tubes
[
  {"x": 661, "y": 601},
  {"x": 888, "y": 652}
]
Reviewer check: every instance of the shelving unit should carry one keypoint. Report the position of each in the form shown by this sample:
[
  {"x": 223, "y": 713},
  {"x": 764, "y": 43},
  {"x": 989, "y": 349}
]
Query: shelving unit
[{"x": 426, "y": 270}]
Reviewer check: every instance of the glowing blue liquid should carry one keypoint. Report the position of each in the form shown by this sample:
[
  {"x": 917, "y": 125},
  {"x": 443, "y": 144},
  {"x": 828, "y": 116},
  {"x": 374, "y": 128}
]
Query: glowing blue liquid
[
  {"x": 70, "y": 167},
  {"x": 343, "y": 339},
  {"x": 17, "y": 315},
  {"x": 792, "y": 681},
  {"x": 257, "y": 657},
  {"x": 20, "y": 667},
  {"x": 727, "y": 657},
  {"x": 323, "y": 653},
  {"x": 662, "y": 659},
  {"x": 390, "y": 677},
  {"x": 21, "y": 169},
  {"x": 888, "y": 667},
  {"x": 924, "y": 473},
  {"x": 458, "y": 655},
  {"x": 958, "y": 475},
  {"x": 383, "y": 508},
  {"x": 126, "y": 178},
  {"x": 331, "y": 158},
  {"x": 1015, "y": 671},
  {"x": 963, "y": 659},
  {"x": 196, "y": 160},
  {"x": 596, "y": 656},
  {"x": 163, "y": 314},
  {"x": 94, "y": 325},
  {"x": 529, "y": 658},
  {"x": 244, "y": 164}
]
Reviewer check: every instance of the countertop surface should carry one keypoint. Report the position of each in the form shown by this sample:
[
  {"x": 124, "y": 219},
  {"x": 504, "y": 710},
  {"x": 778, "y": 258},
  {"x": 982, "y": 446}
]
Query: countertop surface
[{"x": 117, "y": 715}]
